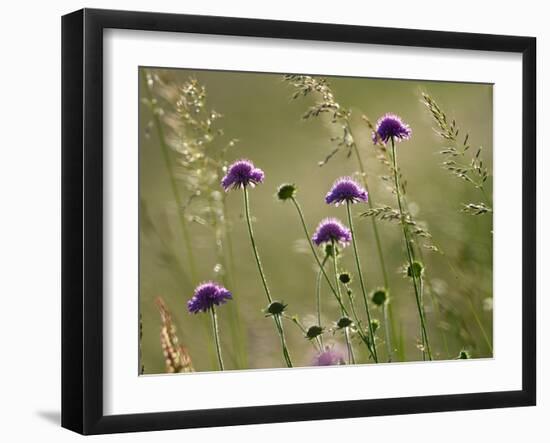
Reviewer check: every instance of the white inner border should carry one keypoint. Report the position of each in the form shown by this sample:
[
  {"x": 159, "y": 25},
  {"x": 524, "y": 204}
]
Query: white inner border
[{"x": 125, "y": 392}]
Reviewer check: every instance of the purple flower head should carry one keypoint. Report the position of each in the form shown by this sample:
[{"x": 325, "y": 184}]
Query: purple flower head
[
  {"x": 331, "y": 229},
  {"x": 391, "y": 126},
  {"x": 206, "y": 296},
  {"x": 329, "y": 357},
  {"x": 346, "y": 190},
  {"x": 242, "y": 173}
]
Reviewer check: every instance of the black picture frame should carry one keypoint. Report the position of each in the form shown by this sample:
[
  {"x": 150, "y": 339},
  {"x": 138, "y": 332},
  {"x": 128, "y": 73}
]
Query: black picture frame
[{"x": 82, "y": 220}]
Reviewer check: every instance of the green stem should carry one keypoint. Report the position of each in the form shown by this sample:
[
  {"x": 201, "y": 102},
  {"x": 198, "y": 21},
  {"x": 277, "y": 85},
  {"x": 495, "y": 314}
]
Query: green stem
[
  {"x": 361, "y": 280},
  {"x": 234, "y": 318},
  {"x": 351, "y": 356},
  {"x": 321, "y": 266},
  {"x": 390, "y": 326},
  {"x": 318, "y": 293},
  {"x": 385, "y": 308},
  {"x": 327, "y": 278},
  {"x": 276, "y": 319},
  {"x": 294, "y": 320},
  {"x": 435, "y": 303},
  {"x": 409, "y": 253},
  {"x": 217, "y": 336}
]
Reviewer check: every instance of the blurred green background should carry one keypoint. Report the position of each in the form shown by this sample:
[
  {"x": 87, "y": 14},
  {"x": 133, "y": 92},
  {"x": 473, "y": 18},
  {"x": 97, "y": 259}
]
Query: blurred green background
[{"x": 258, "y": 110}]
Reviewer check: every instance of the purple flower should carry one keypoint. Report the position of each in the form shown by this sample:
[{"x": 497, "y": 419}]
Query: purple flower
[
  {"x": 242, "y": 173},
  {"x": 206, "y": 296},
  {"x": 329, "y": 357},
  {"x": 391, "y": 126},
  {"x": 345, "y": 189},
  {"x": 331, "y": 229}
]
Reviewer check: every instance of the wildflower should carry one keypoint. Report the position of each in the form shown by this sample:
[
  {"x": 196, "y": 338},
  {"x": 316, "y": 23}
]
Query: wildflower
[
  {"x": 329, "y": 230},
  {"x": 329, "y": 357},
  {"x": 391, "y": 126},
  {"x": 206, "y": 296},
  {"x": 240, "y": 174},
  {"x": 286, "y": 191},
  {"x": 346, "y": 190}
]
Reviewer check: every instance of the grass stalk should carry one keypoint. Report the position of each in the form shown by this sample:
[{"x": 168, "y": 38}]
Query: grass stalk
[
  {"x": 361, "y": 281},
  {"x": 318, "y": 295},
  {"x": 351, "y": 356}
]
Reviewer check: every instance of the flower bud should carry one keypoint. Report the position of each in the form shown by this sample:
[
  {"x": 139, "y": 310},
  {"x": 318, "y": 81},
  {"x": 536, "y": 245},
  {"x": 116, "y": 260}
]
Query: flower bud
[
  {"x": 314, "y": 331},
  {"x": 345, "y": 277},
  {"x": 344, "y": 322},
  {"x": 417, "y": 269},
  {"x": 379, "y": 296},
  {"x": 276, "y": 308},
  {"x": 286, "y": 191}
]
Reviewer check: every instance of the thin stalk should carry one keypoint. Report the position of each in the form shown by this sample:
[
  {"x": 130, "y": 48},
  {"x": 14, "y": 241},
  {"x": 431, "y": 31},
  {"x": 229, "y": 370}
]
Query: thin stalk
[
  {"x": 276, "y": 318},
  {"x": 173, "y": 183},
  {"x": 390, "y": 326},
  {"x": 217, "y": 336},
  {"x": 409, "y": 253},
  {"x": 179, "y": 204},
  {"x": 231, "y": 263},
  {"x": 421, "y": 290},
  {"x": 385, "y": 309},
  {"x": 351, "y": 356},
  {"x": 318, "y": 295},
  {"x": 435, "y": 304},
  {"x": 294, "y": 320},
  {"x": 234, "y": 320},
  {"x": 478, "y": 321},
  {"x": 361, "y": 280},
  {"x": 321, "y": 267},
  {"x": 354, "y": 311},
  {"x": 327, "y": 278}
]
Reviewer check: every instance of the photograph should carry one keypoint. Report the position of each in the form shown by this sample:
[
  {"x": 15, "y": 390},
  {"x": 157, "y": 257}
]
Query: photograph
[{"x": 291, "y": 220}]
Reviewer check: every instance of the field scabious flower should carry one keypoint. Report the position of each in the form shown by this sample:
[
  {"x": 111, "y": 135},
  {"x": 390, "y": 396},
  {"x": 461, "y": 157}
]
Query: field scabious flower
[
  {"x": 346, "y": 190},
  {"x": 329, "y": 230},
  {"x": 240, "y": 174},
  {"x": 391, "y": 126},
  {"x": 206, "y": 296},
  {"x": 329, "y": 357}
]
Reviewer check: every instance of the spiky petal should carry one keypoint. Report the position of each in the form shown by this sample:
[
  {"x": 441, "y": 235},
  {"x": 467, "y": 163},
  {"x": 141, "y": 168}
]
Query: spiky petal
[
  {"x": 346, "y": 190},
  {"x": 391, "y": 126},
  {"x": 206, "y": 296},
  {"x": 242, "y": 173},
  {"x": 331, "y": 229}
]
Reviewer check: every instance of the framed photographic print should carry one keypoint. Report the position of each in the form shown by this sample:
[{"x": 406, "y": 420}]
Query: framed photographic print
[{"x": 269, "y": 221}]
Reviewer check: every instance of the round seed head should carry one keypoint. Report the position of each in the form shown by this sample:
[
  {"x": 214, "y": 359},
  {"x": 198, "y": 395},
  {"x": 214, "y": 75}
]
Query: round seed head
[
  {"x": 379, "y": 297},
  {"x": 286, "y": 191},
  {"x": 276, "y": 308}
]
